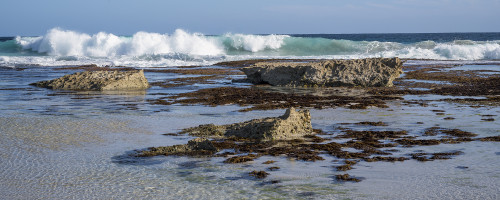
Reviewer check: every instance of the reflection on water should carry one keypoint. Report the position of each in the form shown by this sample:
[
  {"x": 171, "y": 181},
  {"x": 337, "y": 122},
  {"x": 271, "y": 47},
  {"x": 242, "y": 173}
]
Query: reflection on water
[
  {"x": 63, "y": 145},
  {"x": 492, "y": 68}
]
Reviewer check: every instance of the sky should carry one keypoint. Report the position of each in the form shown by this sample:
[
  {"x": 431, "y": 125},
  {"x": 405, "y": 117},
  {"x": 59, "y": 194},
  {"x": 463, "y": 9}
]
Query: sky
[{"x": 126, "y": 17}]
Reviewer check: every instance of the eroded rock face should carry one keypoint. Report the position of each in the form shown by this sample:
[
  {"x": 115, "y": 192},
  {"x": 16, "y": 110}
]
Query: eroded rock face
[
  {"x": 98, "y": 81},
  {"x": 370, "y": 72},
  {"x": 293, "y": 124}
]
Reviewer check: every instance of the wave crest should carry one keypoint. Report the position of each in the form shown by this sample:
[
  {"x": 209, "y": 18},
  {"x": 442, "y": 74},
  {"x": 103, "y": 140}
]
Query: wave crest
[
  {"x": 254, "y": 43},
  {"x": 184, "y": 48},
  {"x": 60, "y": 42}
]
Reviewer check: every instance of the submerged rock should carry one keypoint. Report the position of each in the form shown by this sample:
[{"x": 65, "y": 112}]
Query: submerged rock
[
  {"x": 258, "y": 174},
  {"x": 293, "y": 124},
  {"x": 98, "y": 81},
  {"x": 346, "y": 177},
  {"x": 378, "y": 72}
]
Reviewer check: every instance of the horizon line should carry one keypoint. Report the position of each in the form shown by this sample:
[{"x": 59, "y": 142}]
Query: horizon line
[{"x": 5, "y": 37}]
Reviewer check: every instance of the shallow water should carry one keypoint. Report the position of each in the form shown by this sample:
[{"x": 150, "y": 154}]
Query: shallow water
[
  {"x": 491, "y": 68},
  {"x": 75, "y": 145}
]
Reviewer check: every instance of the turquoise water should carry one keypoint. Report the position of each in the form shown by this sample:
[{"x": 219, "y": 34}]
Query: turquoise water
[
  {"x": 144, "y": 49},
  {"x": 75, "y": 145}
]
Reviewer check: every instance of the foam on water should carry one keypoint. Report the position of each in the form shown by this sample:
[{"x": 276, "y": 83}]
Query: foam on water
[
  {"x": 66, "y": 47},
  {"x": 253, "y": 43},
  {"x": 58, "y": 42}
]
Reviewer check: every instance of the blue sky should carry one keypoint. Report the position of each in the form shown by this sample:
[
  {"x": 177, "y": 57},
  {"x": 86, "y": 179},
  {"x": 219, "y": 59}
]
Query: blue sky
[{"x": 125, "y": 17}]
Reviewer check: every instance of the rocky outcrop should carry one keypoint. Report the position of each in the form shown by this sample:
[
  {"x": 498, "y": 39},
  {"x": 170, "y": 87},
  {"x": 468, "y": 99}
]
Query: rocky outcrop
[
  {"x": 378, "y": 72},
  {"x": 194, "y": 147},
  {"x": 293, "y": 124},
  {"x": 98, "y": 81}
]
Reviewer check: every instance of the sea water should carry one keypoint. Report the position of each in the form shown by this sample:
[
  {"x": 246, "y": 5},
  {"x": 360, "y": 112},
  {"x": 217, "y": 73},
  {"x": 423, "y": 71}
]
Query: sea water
[
  {"x": 76, "y": 145},
  {"x": 145, "y": 49}
]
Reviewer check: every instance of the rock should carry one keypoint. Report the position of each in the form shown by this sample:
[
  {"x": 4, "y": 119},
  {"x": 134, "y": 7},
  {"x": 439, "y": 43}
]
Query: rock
[
  {"x": 194, "y": 147},
  {"x": 293, "y": 124},
  {"x": 98, "y": 81},
  {"x": 378, "y": 72},
  {"x": 206, "y": 130},
  {"x": 346, "y": 177},
  {"x": 258, "y": 174},
  {"x": 199, "y": 144}
]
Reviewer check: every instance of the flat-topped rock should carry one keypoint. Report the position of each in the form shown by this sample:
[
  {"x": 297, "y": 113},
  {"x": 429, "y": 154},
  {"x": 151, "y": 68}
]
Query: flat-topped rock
[
  {"x": 98, "y": 81},
  {"x": 369, "y": 72},
  {"x": 293, "y": 124},
  {"x": 194, "y": 147}
]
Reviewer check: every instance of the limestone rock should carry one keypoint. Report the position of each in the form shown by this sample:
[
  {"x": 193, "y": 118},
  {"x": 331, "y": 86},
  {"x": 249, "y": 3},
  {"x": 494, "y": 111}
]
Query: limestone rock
[
  {"x": 198, "y": 144},
  {"x": 206, "y": 130},
  {"x": 378, "y": 72},
  {"x": 98, "y": 81},
  {"x": 293, "y": 124},
  {"x": 194, "y": 147}
]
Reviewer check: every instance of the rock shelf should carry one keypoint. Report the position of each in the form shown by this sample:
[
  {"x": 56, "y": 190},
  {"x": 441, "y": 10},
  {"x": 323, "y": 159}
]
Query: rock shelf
[
  {"x": 98, "y": 81},
  {"x": 370, "y": 72}
]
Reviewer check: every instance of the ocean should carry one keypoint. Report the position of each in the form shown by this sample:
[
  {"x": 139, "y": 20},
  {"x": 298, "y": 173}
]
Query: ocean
[
  {"x": 60, "y": 47},
  {"x": 80, "y": 144}
]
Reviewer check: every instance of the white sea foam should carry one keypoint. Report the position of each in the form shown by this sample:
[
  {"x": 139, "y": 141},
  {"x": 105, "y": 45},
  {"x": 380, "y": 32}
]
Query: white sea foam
[
  {"x": 255, "y": 43},
  {"x": 144, "y": 49},
  {"x": 58, "y": 42},
  {"x": 469, "y": 51}
]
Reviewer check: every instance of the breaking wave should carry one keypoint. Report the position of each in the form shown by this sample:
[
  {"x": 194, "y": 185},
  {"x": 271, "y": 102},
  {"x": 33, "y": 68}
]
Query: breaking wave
[
  {"x": 63, "y": 47},
  {"x": 59, "y": 42}
]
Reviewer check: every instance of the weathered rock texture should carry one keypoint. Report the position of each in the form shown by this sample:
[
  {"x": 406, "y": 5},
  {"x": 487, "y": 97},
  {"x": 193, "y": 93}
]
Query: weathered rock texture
[
  {"x": 98, "y": 81},
  {"x": 293, "y": 124},
  {"x": 197, "y": 146},
  {"x": 378, "y": 72}
]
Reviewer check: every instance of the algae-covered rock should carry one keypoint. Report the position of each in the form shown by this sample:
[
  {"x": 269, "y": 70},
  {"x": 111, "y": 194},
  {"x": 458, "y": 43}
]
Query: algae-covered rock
[
  {"x": 201, "y": 144},
  {"x": 378, "y": 72},
  {"x": 206, "y": 130},
  {"x": 293, "y": 124},
  {"x": 258, "y": 174},
  {"x": 194, "y": 147},
  {"x": 98, "y": 81}
]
